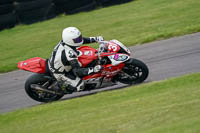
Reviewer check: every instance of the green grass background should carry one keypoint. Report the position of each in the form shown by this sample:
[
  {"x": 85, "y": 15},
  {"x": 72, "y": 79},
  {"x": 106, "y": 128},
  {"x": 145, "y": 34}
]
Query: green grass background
[
  {"x": 136, "y": 22},
  {"x": 171, "y": 106}
]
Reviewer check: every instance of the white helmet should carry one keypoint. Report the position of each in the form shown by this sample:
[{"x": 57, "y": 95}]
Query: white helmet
[{"x": 72, "y": 36}]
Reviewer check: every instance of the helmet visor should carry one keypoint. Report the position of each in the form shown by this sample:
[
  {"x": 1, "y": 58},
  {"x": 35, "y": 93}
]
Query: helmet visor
[{"x": 78, "y": 39}]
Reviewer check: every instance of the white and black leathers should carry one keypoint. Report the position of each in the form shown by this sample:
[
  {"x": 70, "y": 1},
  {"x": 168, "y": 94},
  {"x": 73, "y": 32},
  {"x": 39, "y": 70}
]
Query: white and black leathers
[{"x": 65, "y": 67}]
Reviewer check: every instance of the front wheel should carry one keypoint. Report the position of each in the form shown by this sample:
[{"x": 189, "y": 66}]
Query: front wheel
[
  {"x": 134, "y": 72},
  {"x": 40, "y": 96}
]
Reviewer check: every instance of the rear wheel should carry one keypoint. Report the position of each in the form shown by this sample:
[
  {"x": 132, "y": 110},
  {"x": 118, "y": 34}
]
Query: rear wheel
[
  {"x": 134, "y": 72},
  {"x": 40, "y": 96}
]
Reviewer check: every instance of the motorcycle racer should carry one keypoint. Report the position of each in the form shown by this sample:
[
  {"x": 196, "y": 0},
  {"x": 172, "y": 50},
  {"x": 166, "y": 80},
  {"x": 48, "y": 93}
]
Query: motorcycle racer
[{"x": 64, "y": 64}]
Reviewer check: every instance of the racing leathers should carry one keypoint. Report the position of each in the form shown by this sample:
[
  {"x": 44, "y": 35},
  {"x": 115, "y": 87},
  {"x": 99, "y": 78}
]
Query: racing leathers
[{"x": 65, "y": 67}]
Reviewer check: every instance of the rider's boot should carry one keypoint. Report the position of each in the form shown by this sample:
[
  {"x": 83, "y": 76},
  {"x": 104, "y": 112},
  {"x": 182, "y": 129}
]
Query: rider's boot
[{"x": 69, "y": 88}]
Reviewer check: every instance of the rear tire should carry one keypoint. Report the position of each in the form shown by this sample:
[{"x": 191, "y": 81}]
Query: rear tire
[
  {"x": 134, "y": 72},
  {"x": 39, "y": 79}
]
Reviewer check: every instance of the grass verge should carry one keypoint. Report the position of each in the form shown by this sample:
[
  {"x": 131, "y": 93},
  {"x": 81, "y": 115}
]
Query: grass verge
[
  {"x": 133, "y": 23},
  {"x": 170, "y": 106}
]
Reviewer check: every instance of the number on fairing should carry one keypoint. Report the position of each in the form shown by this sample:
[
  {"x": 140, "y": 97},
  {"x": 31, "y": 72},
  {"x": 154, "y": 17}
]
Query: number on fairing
[{"x": 112, "y": 47}]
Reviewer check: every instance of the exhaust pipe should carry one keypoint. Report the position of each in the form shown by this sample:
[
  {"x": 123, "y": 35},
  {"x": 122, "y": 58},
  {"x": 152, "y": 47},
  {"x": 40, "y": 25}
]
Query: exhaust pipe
[{"x": 39, "y": 88}]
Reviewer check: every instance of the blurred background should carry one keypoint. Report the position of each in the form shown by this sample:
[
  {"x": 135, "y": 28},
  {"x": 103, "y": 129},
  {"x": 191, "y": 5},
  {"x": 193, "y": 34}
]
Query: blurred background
[{"x": 13, "y": 12}]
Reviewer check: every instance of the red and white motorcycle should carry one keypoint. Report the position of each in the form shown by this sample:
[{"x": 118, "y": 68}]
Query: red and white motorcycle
[{"x": 114, "y": 58}]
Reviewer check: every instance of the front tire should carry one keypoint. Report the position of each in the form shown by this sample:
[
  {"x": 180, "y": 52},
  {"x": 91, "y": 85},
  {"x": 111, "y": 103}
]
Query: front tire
[
  {"x": 134, "y": 72},
  {"x": 39, "y": 79}
]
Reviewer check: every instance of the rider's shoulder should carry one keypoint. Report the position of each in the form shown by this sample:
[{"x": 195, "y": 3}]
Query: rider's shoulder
[
  {"x": 69, "y": 52},
  {"x": 67, "y": 48}
]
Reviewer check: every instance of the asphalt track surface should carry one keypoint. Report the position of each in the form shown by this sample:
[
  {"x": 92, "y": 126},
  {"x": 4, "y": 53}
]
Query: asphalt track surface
[{"x": 168, "y": 58}]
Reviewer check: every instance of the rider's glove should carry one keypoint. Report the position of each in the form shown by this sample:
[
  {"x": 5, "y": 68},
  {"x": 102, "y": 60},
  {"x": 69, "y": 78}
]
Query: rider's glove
[
  {"x": 96, "y": 39},
  {"x": 99, "y": 39},
  {"x": 97, "y": 68}
]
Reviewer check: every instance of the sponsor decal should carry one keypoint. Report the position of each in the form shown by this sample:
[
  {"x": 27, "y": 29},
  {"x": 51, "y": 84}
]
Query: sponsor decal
[{"x": 88, "y": 53}]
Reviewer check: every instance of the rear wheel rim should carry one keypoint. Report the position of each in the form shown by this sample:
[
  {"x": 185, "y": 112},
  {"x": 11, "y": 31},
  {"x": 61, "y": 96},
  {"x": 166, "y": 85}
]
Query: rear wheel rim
[{"x": 42, "y": 95}]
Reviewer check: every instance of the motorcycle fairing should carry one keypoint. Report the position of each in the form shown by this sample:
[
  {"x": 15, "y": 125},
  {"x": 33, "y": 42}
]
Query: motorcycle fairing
[
  {"x": 36, "y": 65},
  {"x": 121, "y": 45},
  {"x": 118, "y": 58},
  {"x": 113, "y": 47},
  {"x": 108, "y": 72},
  {"x": 86, "y": 55}
]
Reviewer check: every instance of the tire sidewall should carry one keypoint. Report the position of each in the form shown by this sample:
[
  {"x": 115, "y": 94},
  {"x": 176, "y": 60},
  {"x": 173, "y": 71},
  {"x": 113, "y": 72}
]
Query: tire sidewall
[
  {"x": 141, "y": 65},
  {"x": 35, "y": 79}
]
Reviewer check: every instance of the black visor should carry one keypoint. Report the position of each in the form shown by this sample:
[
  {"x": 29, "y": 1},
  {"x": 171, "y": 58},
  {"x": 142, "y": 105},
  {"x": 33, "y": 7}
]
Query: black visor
[{"x": 78, "y": 39}]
